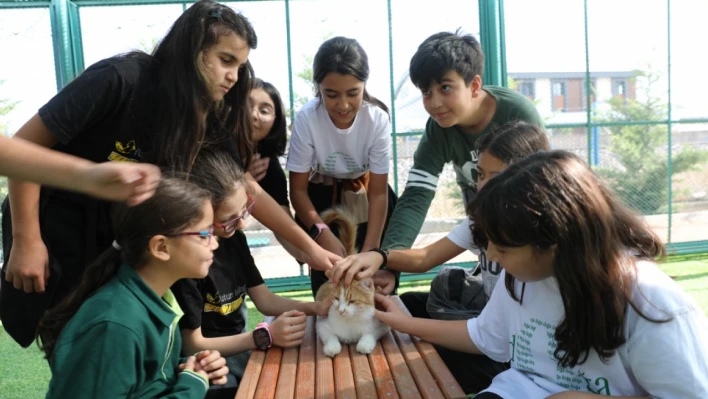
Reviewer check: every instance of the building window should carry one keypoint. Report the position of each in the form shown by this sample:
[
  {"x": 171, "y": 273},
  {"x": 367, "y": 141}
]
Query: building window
[
  {"x": 527, "y": 88},
  {"x": 619, "y": 88},
  {"x": 559, "y": 91}
]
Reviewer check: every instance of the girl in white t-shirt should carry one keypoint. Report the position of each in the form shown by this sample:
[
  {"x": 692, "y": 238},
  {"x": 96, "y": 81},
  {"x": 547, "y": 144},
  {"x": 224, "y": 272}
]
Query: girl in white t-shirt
[
  {"x": 340, "y": 150},
  {"x": 584, "y": 311}
]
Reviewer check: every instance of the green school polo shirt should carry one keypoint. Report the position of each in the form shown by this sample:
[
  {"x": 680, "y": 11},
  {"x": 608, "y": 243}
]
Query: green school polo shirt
[{"x": 123, "y": 342}]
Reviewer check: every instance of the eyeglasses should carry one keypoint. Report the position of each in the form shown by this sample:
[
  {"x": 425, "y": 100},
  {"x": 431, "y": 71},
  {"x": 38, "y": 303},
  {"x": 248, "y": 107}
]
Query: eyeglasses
[
  {"x": 230, "y": 225},
  {"x": 205, "y": 235},
  {"x": 264, "y": 114}
]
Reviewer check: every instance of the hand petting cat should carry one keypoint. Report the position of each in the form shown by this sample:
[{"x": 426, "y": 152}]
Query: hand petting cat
[
  {"x": 360, "y": 266},
  {"x": 288, "y": 329},
  {"x": 389, "y": 313}
]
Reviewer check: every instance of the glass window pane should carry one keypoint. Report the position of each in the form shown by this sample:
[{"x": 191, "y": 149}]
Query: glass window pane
[
  {"x": 27, "y": 75},
  {"x": 549, "y": 51},
  {"x": 108, "y": 31}
]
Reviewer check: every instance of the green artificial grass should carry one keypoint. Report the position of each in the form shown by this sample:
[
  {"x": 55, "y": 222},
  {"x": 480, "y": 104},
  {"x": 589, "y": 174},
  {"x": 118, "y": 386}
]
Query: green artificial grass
[{"x": 25, "y": 374}]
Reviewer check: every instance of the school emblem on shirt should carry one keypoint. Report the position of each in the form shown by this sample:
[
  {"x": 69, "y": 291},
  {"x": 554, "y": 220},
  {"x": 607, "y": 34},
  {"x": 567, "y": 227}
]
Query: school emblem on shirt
[
  {"x": 123, "y": 152},
  {"x": 223, "y": 304}
]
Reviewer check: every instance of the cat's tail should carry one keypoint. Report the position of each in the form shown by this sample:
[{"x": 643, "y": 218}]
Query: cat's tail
[{"x": 337, "y": 217}]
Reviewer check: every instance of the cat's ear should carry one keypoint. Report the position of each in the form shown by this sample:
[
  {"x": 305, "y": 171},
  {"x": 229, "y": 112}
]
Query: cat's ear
[{"x": 367, "y": 283}]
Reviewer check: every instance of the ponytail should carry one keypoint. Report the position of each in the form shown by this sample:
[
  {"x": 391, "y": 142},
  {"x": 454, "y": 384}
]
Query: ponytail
[{"x": 95, "y": 276}]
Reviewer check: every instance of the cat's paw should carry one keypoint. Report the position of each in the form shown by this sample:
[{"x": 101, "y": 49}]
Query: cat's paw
[
  {"x": 366, "y": 344},
  {"x": 332, "y": 348}
]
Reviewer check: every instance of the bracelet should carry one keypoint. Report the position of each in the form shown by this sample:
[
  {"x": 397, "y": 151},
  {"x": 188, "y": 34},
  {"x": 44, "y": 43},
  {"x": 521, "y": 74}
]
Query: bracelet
[{"x": 383, "y": 253}]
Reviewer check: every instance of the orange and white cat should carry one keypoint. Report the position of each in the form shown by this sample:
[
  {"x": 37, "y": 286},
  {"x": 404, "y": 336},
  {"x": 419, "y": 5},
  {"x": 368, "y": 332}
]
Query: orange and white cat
[
  {"x": 351, "y": 316},
  {"x": 350, "y": 319}
]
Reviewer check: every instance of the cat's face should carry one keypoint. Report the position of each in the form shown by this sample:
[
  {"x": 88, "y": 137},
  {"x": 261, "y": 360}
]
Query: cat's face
[{"x": 358, "y": 297}]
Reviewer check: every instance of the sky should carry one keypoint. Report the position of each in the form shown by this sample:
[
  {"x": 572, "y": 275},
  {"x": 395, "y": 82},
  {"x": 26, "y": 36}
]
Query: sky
[{"x": 541, "y": 36}]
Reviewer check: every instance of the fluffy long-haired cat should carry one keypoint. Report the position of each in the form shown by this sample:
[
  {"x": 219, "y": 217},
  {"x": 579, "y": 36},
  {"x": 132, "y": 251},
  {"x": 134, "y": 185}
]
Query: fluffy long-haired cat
[{"x": 351, "y": 316}]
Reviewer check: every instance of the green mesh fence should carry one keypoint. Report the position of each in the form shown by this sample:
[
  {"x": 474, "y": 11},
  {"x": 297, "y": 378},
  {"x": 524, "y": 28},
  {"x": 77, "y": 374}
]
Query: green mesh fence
[{"x": 623, "y": 92}]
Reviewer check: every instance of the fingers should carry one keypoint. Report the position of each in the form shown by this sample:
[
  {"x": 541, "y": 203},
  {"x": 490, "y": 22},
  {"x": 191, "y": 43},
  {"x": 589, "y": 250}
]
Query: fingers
[
  {"x": 220, "y": 381},
  {"x": 33, "y": 284},
  {"x": 190, "y": 363}
]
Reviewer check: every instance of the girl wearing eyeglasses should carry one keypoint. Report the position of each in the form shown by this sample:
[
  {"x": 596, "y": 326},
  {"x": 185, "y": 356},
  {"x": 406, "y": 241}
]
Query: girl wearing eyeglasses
[
  {"x": 270, "y": 136},
  {"x": 215, "y": 312},
  {"x": 115, "y": 335}
]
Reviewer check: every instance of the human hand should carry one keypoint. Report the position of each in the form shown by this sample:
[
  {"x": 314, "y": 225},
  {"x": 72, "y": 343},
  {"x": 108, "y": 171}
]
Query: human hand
[
  {"x": 28, "y": 266},
  {"x": 362, "y": 266},
  {"x": 384, "y": 281},
  {"x": 321, "y": 308},
  {"x": 193, "y": 365},
  {"x": 288, "y": 329},
  {"x": 319, "y": 258},
  {"x": 389, "y": 313},
  {"x": 120, "y": 181},
  {"x": 259, "y": 167}
]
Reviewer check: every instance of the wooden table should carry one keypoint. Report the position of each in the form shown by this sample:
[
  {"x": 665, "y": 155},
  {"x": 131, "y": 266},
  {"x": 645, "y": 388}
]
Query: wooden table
[{"x": 401, "y": 366}]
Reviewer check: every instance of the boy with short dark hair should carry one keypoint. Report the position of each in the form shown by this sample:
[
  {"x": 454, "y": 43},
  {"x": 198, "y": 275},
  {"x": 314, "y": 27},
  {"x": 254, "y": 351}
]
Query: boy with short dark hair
[{"x": 448, "y": 69}]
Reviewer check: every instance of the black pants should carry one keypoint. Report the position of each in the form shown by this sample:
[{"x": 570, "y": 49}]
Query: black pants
[
  {"x": 473, "y": 372},
  {"x": 321, "y": 198},
  {"x": 75, "y": 230}
]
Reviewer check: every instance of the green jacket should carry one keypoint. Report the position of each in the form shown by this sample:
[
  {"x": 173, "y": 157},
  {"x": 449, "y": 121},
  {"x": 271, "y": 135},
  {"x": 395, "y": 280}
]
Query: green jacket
[
  {"x": 123, "y": 342},
  {"x": 439, "y": 146}
]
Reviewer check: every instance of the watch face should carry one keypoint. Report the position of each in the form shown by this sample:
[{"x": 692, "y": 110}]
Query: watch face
[
  {"x": 261, "y": 338},
  {"x": 314, "y": 231}
]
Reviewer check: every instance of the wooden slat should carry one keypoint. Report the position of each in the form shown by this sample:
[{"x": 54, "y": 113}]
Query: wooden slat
[
  {"x": 343, "y": 377},
  {"x": 269, "y": 375},
  {"x": 405, "y": 384},
  {"x": 305, "y": 384},
  {"x": 427, "y": 386},
  {"x": 324, "y": 379},
  {"x": 249, "y": 382},
  {"x": 385, "y": 386},
  {"x": 446, "y": 381},
  {"x": 288, "y": 370},
  {"x": 363, "y": 380}
]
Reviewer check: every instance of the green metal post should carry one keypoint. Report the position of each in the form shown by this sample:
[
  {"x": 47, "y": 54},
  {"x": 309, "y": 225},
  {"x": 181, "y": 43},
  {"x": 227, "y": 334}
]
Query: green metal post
[
  {"x": 77, "y": 45},
  {"x": 587, "y": 82},
  {"x": 668, "y": 117},
  {"x": 491, "y": 26},
  {"x": 290, "y": 64},
  {"x": 393, "y": 98}
]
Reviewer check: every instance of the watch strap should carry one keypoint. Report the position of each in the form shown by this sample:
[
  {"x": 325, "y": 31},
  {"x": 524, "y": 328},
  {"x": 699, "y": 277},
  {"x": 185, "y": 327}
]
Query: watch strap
[
  {"x": 264, "y": 326},
  {"x": 384, "y": 254}
]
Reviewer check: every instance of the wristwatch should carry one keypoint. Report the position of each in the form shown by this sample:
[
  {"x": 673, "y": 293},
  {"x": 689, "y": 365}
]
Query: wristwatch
[
  {"x": 316, "y": 229},
  {"x": 384, "y": 254},
  {"x": 262, "y": 337}
]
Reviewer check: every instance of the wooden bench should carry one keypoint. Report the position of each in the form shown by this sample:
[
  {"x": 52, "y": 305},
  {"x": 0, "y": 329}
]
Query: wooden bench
[{"x": 401, "y": 366}]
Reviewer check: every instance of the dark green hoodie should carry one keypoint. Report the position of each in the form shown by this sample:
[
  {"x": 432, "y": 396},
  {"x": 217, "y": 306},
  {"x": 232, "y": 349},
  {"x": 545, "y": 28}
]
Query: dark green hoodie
[{"x": 123, "y": 343}]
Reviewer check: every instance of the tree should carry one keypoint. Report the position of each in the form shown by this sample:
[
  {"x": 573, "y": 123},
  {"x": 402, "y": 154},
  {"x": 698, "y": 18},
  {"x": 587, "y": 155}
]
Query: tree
[{"x": 641, "y": 178}]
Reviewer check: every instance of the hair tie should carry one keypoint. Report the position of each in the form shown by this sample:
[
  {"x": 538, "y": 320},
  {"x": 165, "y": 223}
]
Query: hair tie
[
  {"x": 116, "y": 245},
  {"x": 216, "y": 14}
]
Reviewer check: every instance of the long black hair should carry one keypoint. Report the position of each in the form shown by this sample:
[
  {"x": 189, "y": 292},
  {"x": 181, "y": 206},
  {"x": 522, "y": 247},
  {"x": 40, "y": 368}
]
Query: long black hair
[
  {"x": 346, "y": 57},
  {"x": 176, "y": 205},
  {"x": 553, "y": 201},
  {"x": 188, "y": 116}
]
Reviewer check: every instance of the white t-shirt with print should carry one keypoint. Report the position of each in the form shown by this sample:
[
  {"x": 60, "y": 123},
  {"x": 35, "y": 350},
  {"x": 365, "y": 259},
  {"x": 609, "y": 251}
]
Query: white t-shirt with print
[
  {"x": 461, "y": 236},
  {"x": 661, "y": 360},
  {"x": 317, "y": 145}
]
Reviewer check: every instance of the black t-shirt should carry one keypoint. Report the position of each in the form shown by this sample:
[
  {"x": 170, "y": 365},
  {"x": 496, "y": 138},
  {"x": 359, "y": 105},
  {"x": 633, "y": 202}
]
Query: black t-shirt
[
  {"x": 217, "y": 303},
  {"x": 274, "y": 182},
  {"x": 106, "y": 113}
]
